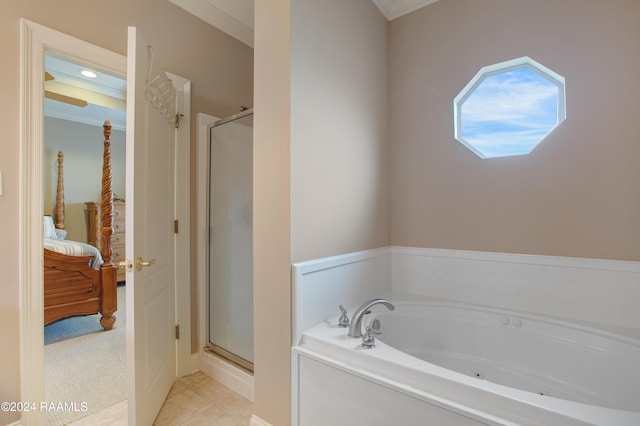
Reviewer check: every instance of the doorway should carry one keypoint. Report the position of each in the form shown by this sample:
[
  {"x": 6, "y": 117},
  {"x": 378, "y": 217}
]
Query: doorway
[
  {"x": 36, "y": 41},
  {"x": 75, "y": 108},
  {"x": 74, "y": 113}
]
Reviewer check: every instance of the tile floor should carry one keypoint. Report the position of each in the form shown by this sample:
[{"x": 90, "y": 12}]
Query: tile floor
[{"x": 193, "y": 400}]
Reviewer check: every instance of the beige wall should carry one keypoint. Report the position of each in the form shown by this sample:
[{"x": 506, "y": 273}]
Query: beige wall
[
  {"x": 221, "y": 71},
  {"x": 339, "y": 128},
  {"x": 271, "y": 212},
  {"x": 321, "y": 160},
  {"x": 576, "y": 194}
]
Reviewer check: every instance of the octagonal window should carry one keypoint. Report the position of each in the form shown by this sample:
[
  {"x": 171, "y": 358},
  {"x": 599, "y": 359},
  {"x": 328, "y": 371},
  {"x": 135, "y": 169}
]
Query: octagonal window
[{"x": 509, "y": 108}]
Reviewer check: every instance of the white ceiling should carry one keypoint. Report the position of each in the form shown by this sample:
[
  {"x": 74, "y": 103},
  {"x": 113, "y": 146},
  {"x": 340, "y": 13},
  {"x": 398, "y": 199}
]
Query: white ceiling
[
  {"x": 393, "y": 9},
  {"x": 105, "y": 94},
  {"x": 235, "y": 17}
]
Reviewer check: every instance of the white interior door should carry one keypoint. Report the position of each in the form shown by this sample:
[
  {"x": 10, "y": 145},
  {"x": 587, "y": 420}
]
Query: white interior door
[{"x": 150, "y": 162}]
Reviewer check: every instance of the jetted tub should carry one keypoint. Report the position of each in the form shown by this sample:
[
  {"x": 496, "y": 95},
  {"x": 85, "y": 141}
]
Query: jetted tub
[{"x": 458, "y": 364}]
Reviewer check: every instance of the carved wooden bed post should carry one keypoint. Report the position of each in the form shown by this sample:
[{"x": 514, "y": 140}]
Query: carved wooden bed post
[
  {"x": 59, "y": 212},
  {"x": 108, "y": 270}
]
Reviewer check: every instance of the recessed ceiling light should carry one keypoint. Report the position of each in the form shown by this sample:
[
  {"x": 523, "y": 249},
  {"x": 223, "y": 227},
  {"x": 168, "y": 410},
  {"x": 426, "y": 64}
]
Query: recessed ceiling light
[{"x": 88, "y": 73}]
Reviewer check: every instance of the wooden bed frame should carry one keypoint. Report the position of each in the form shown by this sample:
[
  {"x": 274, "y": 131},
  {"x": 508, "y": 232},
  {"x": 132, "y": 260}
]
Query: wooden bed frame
[{"x": 71, "y": 287}]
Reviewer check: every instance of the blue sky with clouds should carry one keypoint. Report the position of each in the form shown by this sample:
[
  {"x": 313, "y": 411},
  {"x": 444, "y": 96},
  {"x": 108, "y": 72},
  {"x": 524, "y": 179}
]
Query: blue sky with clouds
[{"x": 509, "y": 113}]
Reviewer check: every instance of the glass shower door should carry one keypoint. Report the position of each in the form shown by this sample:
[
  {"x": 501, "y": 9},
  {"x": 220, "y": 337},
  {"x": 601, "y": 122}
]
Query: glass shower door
[{"x": 231, "y": 239}]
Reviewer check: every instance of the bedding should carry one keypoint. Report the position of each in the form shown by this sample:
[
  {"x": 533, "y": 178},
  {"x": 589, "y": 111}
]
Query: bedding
[
  {"x": 75, "y": 248},
  {"x": 54, "y": 240},
  {"x": 49, "y": 230}
]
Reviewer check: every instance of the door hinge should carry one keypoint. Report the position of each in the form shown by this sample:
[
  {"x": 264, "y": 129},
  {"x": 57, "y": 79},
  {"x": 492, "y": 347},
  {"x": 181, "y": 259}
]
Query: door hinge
[
  {"x": 178, "y": 118},
  {"x": 175, "y": 226},
  {"x": 177, "y": 332}
]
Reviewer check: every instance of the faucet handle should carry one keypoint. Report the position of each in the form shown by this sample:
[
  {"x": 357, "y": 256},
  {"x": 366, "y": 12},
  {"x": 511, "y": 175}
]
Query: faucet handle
[
  {"x": 368, "y": 339},
  {"x": 344, "y": 319},
  {"x": 375, "y": 327}
]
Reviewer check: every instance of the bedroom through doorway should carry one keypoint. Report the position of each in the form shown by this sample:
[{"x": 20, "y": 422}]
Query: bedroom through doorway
[{"x": 78, "y": 99}]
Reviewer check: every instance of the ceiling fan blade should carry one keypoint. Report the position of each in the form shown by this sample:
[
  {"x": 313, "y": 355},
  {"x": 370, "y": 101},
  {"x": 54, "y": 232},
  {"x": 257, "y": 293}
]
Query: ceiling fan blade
[
  {"x": 66, "y": 99},
  {"x": 60, "y": 97}
]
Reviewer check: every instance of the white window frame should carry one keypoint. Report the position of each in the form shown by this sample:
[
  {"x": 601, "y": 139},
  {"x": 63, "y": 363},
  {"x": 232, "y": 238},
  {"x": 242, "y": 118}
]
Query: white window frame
[{"x": 500, "y": 68}]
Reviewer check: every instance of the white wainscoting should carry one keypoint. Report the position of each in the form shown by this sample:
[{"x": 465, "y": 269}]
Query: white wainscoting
[
  {"x": 320, "y": 286},
  {"x": 589, "y": 290}
]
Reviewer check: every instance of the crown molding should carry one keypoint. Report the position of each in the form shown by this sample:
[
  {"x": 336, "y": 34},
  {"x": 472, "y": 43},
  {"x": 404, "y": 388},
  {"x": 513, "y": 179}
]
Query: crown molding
[
  {"x": 116, "y": 124},
  {"x": 233, "y": 26},
  {"x": 216, "y": 17},
  {"x": 393, "y": 9}
]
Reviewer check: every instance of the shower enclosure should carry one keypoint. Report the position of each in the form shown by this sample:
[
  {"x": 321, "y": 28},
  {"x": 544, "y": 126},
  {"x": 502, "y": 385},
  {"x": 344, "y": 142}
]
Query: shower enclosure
[{"x": 230, "y": 239}]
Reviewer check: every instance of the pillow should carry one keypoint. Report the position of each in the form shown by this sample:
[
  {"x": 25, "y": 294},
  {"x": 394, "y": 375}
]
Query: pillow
[
  {"x": 49, "y": 229},
  {"x": 61, "y": 234}
]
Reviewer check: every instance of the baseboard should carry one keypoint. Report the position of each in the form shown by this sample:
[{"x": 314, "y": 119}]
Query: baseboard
[
  {"x": 195, "y": 363},
  {"x": 257, "y": 421},
  {"x": 235, "y": 378}
]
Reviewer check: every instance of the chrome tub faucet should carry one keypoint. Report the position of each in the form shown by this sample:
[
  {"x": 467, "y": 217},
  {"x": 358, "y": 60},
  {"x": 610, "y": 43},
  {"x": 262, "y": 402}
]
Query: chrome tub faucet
[{"x": 355, "y": 328}]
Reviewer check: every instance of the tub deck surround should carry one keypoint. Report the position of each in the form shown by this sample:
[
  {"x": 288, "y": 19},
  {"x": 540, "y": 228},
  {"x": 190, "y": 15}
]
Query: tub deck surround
[
  {"x": 522, "y": 296},
  {"x": 478, "y": 400}
]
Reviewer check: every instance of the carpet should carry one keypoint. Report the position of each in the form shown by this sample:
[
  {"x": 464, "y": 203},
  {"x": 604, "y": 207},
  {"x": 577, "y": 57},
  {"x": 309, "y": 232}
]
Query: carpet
[{"x": 85, "y": 366}]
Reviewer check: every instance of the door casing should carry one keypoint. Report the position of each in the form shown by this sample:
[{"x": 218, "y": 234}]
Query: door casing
[{"x": 35, "y": 41}]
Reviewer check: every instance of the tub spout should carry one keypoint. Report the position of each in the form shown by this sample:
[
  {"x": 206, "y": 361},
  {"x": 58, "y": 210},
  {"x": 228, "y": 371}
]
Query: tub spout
[{"x": 355, "y": 329}]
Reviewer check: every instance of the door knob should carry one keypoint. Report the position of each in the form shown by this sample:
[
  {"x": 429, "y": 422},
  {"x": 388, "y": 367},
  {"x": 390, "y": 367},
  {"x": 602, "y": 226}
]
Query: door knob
[{"x": 140, "y": 263}]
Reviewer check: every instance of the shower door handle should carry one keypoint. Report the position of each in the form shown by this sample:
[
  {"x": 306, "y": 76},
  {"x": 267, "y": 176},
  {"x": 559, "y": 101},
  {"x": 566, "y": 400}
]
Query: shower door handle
[{"x": 140, "y": 263}]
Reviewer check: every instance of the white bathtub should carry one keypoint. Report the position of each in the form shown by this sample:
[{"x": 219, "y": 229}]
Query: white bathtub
[{"x": 460, "y": 364}]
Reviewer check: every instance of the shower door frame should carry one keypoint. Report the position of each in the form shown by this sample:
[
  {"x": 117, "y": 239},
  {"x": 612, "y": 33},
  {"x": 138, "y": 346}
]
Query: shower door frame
[{"x": 211, "y": 347}]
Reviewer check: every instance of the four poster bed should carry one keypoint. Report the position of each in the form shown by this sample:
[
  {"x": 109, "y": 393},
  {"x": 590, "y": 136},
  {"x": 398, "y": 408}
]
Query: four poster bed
[{"x": 79, "y": 279}]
